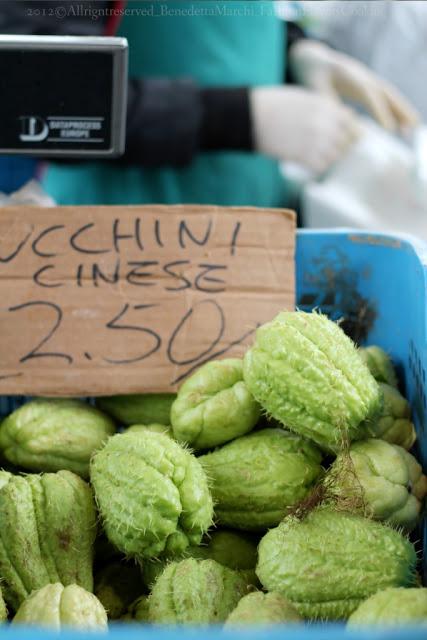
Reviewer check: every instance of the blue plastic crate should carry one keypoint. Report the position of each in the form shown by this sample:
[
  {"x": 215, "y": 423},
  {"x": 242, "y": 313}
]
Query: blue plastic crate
[{"x": 377, "y": 285}]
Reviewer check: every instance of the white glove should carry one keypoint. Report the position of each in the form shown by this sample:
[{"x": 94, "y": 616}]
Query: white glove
[
  {"x": 296, "y": 125},
  {"x": 318, "y": 67}
]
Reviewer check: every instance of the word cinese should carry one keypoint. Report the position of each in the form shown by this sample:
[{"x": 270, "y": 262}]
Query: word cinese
[{"x": 125, "y": 237}]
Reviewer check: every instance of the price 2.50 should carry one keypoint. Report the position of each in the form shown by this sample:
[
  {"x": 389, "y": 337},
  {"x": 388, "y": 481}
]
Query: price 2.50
[{"x": 129, "y": 333}]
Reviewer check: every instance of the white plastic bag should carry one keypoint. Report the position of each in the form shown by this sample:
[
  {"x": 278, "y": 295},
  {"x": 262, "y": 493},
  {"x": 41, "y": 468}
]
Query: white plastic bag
[
  {"x": 378, "y": 185},
  {"x": 31, "y": 194}
]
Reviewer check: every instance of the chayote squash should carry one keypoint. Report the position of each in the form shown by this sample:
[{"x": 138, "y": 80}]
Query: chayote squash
[
  {"x": 392, "y": 607},
  {"x": 54, "y": 434},
  {"x": 214, "y": 406},
  {"x": 389, "y": 480},
  {"x": 257, "y": 478},
  {"x": 198, "y": 592},
  {"x": 263, "y": 609},
  {"x": 56, "y": 607},
  {"x": 152, "y": 494},
  {"x": 327, "y": 563},
  {"x": 306, "y": 373},
  {"x": 139, "y": 408},
  {"x": 379, "y": 364},
  {"x": 232, "y": 549},
  {"x": 48, "y": 527}
]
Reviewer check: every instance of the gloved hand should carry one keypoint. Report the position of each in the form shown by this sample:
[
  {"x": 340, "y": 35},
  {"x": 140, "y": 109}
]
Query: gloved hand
[
  {"x": 296, "y": 125},
  {"x": 318, "y": 67}
]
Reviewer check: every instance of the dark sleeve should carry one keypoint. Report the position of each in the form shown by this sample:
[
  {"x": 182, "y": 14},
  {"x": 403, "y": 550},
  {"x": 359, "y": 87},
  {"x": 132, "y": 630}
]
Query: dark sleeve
[
  {"x": 294, "y": 33},
  {"x": 168, "y": 121}
]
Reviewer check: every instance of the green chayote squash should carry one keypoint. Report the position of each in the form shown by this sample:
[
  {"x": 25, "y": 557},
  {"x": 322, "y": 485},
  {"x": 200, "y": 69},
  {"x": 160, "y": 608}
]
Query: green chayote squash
[
  {"x": 329, "y": 562},
  {"x": 198, "y": 592},
  {"x": 257, "y": 478},
  {"x": 48, "y": 527},
  {"x": 263, "y": 609},
  {"x": 152, "y": 494},
  {"x": 56, "y": 607},
  {"x": 379, "y": 364},
  {"x": 137, "y": 611},
  {"x": 142, "y": 408},
  {"x": 214, "y": 406},
  {"x": 394, "y": 423},
  {"x": 5, "y": 476},
  {"x": 392, "y": 607},
  {"x": 306, "y": 373},
  {"x": 54, "y": 434},
  {"x": 232, "y": 549},
  {"x": 388, "y": 478}
]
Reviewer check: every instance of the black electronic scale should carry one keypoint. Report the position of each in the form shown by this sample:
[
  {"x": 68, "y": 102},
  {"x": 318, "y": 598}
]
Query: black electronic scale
[{"x": 63, "y": 96}]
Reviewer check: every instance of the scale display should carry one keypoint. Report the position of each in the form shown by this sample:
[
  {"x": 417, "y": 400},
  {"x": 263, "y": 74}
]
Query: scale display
[{"x": 63, "y": 96}]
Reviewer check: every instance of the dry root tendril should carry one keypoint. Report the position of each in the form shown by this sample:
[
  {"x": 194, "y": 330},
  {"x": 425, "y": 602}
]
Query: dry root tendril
[{"x": 334, "y": 489}]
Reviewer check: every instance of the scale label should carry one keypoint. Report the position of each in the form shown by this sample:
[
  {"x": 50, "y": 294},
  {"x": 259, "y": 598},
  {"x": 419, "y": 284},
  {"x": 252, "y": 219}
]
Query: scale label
[{"x": 61, "y": 129}]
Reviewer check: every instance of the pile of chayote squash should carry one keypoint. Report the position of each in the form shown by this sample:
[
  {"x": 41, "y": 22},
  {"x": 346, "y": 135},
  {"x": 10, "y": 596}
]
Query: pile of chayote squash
[{"x": 277, "y": 489}]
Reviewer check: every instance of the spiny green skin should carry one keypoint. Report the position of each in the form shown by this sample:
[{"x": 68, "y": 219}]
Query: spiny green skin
[
  {"x": 56, "y": 606},
  {"x": 50, "y": 435},
  {"x": 256, "y": 478},
  {"x": 157, "y": 428},
  {"x": 48, "y": 526},
  {"x": 5, "y": 476},
  {"x": 162, "y": 504},
  {"x": 116, "y": 586},
  {"x": 394, "y": 423},
  {"x": 263, "y": 609},
  {"x": 306, "y": 373},
  {"x": 331, "y": 561},
  {"x": 138, "y": 611},
  {"x": 214, "y": 406},
  {"x": 388, "y": 478},
  {"x": 232, "y": 549},
  {"x": 392, "y": 607},
  {"x": 379, "y": 364},
  {"x": 143, "y": 408},
  {"x": 195, "y": 592}
]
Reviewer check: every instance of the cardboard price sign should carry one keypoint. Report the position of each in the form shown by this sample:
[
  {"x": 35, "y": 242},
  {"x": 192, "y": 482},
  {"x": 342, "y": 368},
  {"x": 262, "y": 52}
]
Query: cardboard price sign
[{"x": 103, "y": 300}]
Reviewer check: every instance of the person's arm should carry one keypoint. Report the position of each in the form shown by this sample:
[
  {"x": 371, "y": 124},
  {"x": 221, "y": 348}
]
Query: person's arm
[{"x": 168, "y": 120}]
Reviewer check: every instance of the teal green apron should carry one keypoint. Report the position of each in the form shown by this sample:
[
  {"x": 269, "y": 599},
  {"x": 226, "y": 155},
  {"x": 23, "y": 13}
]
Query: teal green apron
[{"x": 218, "y": 44}]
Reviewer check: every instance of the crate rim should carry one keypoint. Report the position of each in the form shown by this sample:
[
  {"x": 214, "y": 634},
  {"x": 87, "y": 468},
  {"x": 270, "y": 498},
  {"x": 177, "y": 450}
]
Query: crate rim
[
  {"x": 419, "y": 246},
  {"x": 119, "y": 631}
]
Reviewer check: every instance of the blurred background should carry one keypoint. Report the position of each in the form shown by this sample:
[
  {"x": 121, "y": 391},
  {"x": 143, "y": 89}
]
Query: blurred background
[
  {"x": 381, "y": 182},
  {"x": 318, "y": 106}
]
